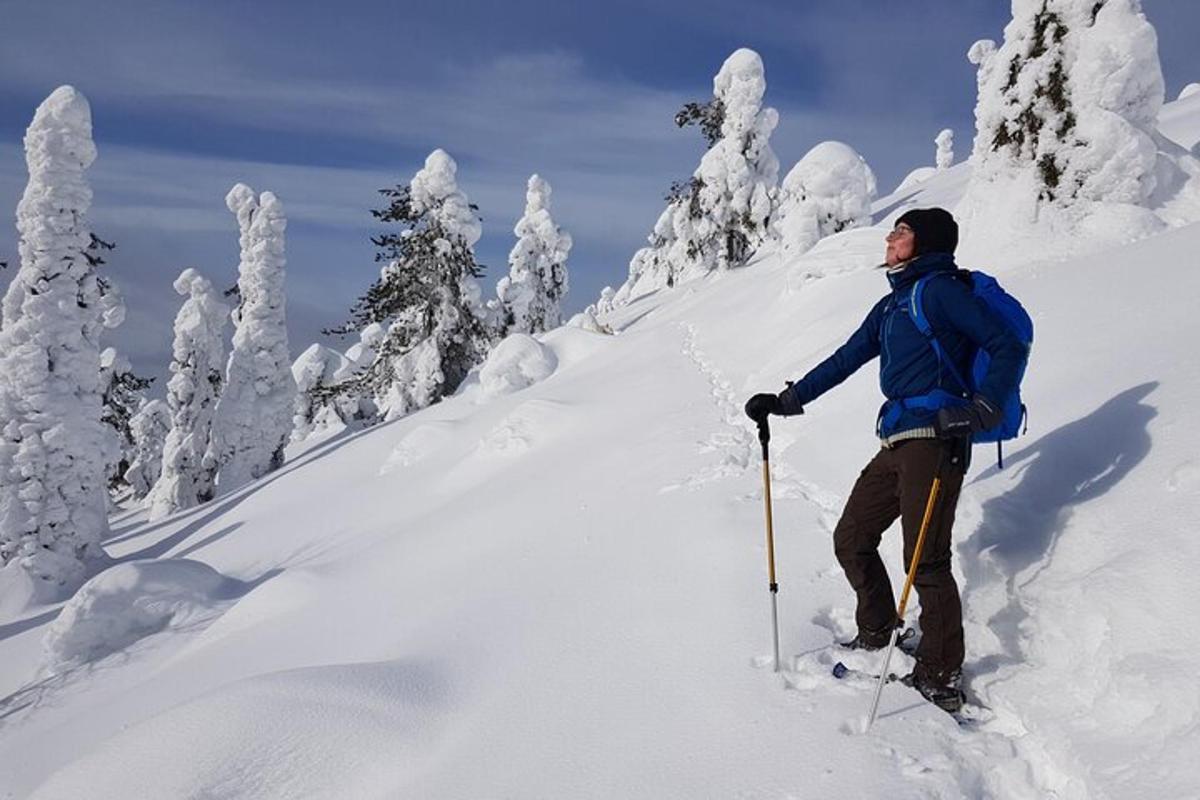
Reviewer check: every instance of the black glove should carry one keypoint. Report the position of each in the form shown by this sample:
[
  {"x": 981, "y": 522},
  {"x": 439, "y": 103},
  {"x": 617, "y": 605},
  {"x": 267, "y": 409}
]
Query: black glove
[
  {"x": 784, "y": 404},
  {"x": 966, "y": 420},
  {"x": 761, "y": 405}
]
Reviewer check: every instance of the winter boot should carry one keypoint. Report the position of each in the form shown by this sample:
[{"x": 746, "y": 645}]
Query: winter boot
[
  {"x": 946, "y": 695},
  {"x": 877, "y": 640}
]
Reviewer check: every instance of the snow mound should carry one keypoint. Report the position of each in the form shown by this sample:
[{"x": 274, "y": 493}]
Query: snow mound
[
  {"x": 828, "y": 191},
  {"x": 918, "y": 175},
  {"x": 422, "y": 442},
  {"x": 349, "y": 730},
  {"x": 517, "y": 362},
  {"x": 129, "y": 602},
  {"x": 1189, "y": 90}
]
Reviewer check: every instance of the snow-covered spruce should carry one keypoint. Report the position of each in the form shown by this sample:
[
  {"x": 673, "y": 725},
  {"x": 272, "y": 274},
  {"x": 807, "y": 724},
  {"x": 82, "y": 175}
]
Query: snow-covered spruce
[
  {"x": 944, "y": 158},
  {"x": 1066, "y": 110},
  {"x": 52, "y": 482},
  {"x": 187, "y": 476},
  {"x": 720, "y": 217},
  {"x": 253, "y": 420},
  {"x": 149, "y": 428},
  {"x": 122, "y": 394},
  {"x": 427, "y": 296},
  {"x": 829, "y": 190},
  {"x": 532, "y": 292}
]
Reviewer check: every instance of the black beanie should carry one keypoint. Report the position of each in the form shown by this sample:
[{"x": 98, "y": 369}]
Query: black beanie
[{"x": 934, "y": 228}]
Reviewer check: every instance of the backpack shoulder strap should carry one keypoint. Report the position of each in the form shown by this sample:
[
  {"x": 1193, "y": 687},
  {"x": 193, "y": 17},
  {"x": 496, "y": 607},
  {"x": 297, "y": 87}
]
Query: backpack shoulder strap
[{"x": 916, "y": 312}]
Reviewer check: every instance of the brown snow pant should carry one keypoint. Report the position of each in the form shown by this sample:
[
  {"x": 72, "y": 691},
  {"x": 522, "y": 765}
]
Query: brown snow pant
[{"x": 896, "y": 484}]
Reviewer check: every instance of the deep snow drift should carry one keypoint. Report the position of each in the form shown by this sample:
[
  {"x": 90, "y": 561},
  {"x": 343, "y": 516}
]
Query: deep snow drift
[{"x": 554, "y": 583}]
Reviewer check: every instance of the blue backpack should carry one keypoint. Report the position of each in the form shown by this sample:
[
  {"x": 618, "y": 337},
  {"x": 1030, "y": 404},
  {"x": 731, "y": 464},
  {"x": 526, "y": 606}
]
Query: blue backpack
[{"x": 1010, "y": 312}]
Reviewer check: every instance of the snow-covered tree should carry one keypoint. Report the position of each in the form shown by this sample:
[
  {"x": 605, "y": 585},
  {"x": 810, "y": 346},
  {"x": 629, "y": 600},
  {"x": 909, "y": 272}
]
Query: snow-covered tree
[
  {"x": 720, "y": 216},
  {"x": 198, "y": 354},
  {"x": 317, "y": 408},
  {"x": 427, "y": 295},
  {"x": 827, "y": 191},
  {"x": 1067, "y": 105},
  {"x": 531, "y": 294},
  {"x": 944, "y": 158},
  {"x": 52, "y": 486},
  {"x": 123, "y": 393},
  {"x": 739, "y": 173},
  {"x": 254, "y": 414},
  {"x": 149, "y": 428}
]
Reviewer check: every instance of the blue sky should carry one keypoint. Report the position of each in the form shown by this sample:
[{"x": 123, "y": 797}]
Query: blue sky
[{"x": 325, "y": 103}]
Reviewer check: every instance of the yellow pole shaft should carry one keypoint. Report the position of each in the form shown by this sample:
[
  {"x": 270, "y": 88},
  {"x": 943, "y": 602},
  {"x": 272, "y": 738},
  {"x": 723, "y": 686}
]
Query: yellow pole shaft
[
  {"x": 916, "y": 557},
  {"x": 770, "y": 525}
]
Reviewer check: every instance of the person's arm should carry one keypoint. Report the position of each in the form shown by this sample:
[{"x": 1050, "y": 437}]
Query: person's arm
[
  {"x": 861, "y": 347},
  {"x": 950, "y": 304}
]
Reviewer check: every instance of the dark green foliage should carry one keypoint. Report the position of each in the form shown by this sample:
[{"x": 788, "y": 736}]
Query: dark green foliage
[
  {"x": 1021, "y": 136},
  {"x": 421, "y": 288},
  {"x": 708, "y": 116},
  {"x": 687, "y": 193},
  {"x": 120, "y": 402}
]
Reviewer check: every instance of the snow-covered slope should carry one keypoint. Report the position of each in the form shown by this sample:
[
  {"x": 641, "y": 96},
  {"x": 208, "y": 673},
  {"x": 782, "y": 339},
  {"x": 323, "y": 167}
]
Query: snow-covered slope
[{"x": 560, "y": 590}]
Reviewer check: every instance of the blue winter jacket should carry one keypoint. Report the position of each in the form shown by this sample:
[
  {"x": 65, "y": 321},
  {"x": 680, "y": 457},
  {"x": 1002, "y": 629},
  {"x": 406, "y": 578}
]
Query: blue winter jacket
[{"x": 909, "y": 366}]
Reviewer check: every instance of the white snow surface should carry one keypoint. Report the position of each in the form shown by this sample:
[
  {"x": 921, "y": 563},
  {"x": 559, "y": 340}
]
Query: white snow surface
[{"x": 562, "y": 592}]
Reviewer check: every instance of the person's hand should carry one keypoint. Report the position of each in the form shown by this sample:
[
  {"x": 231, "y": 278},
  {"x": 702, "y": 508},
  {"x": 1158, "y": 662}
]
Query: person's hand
[
  {"x": 762, "y": 405},
  {"x": 979, "y": 415}
]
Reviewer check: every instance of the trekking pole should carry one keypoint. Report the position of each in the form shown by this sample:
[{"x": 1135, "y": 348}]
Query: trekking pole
[
  {"x": 764, "y": 437},
  {"x": 934, "y": 490}
]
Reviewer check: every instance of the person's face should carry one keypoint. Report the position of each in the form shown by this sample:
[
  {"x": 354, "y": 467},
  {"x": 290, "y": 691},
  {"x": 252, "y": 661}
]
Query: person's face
[{"x": 901, "y": 245}]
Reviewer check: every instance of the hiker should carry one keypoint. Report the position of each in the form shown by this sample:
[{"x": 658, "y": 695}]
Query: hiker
[{"x": 925, "y": 423}]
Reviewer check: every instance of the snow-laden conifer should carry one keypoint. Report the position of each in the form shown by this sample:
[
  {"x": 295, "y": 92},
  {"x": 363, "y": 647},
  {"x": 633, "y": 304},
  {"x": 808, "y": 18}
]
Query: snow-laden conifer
[
  {"x": 427, "y": 296},
  {"x": 52, "y": 484},
  {"x": 187, "y": 477},
  {"x": 944, "y": 158},
  {"x": 531, "y": 294},
  {"x": 1066, "y": 108},
  {"x": 739, "y": 173},
  {"x": 148, "y": 428},
  {"x": 721, "y": 216},
  {"x": 122, "y": 394},
  {"x": 827, "y": 191},
  {"x": 254, "y": 415}
]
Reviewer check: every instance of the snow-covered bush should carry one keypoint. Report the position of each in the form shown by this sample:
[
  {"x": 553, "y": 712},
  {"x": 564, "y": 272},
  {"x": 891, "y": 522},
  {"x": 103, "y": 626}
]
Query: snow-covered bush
[
  {"x": 149, "y": 428},
  {"x": 427, "y": 297},
  {"x": 515, "y": 363},
  {"x": 1066, "y": 109},
  {"x": 607, "y": 301},
  {"x": 253, "y": 420},
  {"x": 53, "y": 500},
  {"x": 531, "y": 295},
  {"x": 129, "y": 602},
  {"x": 944, "y": 158},
  {"x": 188, "y": 473},
  {"x": 587, "y": 320},
  {"x": 829, "y": 190},
  {"x": 317, "y": 409}
]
